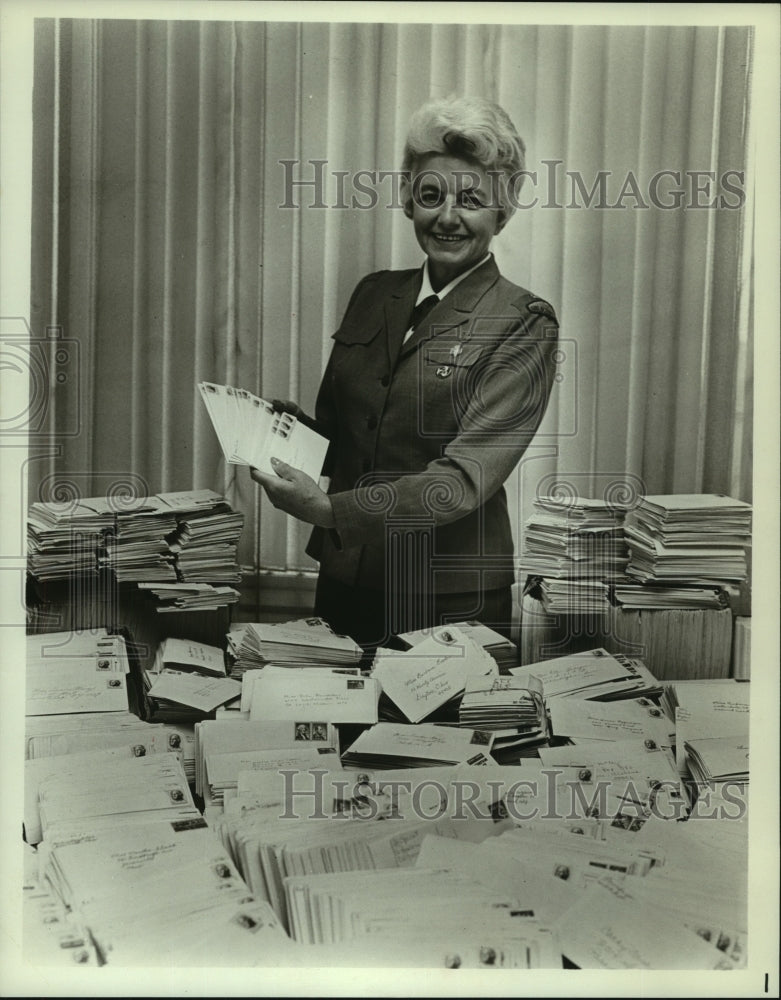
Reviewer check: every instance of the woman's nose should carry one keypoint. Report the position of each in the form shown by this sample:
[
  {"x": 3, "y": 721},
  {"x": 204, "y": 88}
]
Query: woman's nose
[{"x": 448, "y": 212}]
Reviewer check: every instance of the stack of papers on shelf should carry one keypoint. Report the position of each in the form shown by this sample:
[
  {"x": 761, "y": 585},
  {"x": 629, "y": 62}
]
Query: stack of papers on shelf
[
  {"x": 251, "y": 433},
  {"x": 494, "y": 643},
  {"x": 575, "y": 537},
  {"x": 396, "y": 745},
  {"x": 697, "y": 538},
  {"x": 190, "y": 596},
  {"x": 650, "y": 597},
  {"x": 63, "y": 537},
  {"x": 571, "y": 596},
  {"x": 432, "y": 673},
  {"x": 303, "y": 642},
  {"x": 595, "y": 674}
]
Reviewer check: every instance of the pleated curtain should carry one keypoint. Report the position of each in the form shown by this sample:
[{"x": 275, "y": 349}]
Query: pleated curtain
[{"x": 198, "y": 214}]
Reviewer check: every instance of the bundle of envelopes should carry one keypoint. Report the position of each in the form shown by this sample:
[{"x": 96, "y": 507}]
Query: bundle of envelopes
[
  {"x": 186, "y": 536},
  {"x": 137, "y": 548},
  {"x": 594, "y": 674},
  {"x": 161, "y": 892},
  {"x": 302, "y": 642},
  {"x": 70, "y": 673},
  {"x": 697, "y": 538},
  {"x": 571, "y": 595},
  {"x": 251, "y": 432},
  {"x": 711, "y": 732},
  {"x": 171, "y": 597},
  {"x": 225, "y": 747},
  {"x": 655, "y": 597},
  {"x": 391, "y": 744},
  {"x": 205, "y": 545},
  {"x": 63, "y": 536},
  {"x": 575, "y": 537},
  {"x": 511, "y": 709},
  {"x": 187, "y": 682},
  {"x": 494, "y": 643}
]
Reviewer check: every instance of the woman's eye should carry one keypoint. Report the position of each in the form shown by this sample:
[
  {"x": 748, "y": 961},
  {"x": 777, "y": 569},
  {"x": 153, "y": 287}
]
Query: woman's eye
[{"x": 430, "y": 197}]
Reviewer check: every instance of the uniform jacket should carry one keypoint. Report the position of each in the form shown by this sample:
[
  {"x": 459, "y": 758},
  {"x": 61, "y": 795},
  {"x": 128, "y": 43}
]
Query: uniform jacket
[{"x": 423, "y": 435}]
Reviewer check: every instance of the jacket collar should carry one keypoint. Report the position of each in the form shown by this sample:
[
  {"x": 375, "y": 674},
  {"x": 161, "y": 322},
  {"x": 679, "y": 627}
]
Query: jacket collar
[{"x": 450, "y": 312}]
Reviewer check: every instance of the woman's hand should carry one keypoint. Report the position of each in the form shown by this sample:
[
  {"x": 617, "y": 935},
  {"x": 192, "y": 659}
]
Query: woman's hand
[{"x": 296, "y": 493}]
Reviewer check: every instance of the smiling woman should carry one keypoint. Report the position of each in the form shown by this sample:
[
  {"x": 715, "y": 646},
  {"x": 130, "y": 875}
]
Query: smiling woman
[{"x": 428, "y": 412}]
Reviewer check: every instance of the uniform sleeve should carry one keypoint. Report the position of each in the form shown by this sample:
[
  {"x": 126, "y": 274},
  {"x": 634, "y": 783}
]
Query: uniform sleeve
[{"x": 504, "y": 400}]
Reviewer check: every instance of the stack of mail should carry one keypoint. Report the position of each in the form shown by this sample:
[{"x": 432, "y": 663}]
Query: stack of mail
[
  {"x": 396, "y": 745},
  {"x": 223, "y": 748},
  {"x": 69, "y": 673},
  {"x": 695, "y": 538},
  {"x": 494, "y": 643},
  {"x": 430, "y": 675},
  {"x": 575, "y": 537},
  {"x": 171, "y": 597},
  {"x": 506, "y": 707},
  {"x": 251, "y": 432},
  {"x": 205, "y": 545},
  {"x": 63, "y": 537},
  {"x": 138, "y": 548},
  {"x": 312, "y": 696},
  {"x": 655, "y": 597},
  {"x": 303, "y": 642},
  {"x": 162, "y": 893},
  {"x": 594, "y": 674}
]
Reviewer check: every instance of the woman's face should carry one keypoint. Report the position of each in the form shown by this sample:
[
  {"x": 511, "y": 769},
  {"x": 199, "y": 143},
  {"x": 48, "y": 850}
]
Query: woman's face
[{"x": 455, "y": 212}]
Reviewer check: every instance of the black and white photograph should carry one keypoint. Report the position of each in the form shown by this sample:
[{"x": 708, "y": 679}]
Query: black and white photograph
[{"x": 434, "y": 347}]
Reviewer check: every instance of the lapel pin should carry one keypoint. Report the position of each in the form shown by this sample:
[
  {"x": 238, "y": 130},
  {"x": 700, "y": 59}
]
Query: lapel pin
[{"x": 443, "y": 371}]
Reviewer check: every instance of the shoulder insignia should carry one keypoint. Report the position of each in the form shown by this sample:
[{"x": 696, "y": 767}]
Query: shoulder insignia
[{"x": 542, "y": 308}]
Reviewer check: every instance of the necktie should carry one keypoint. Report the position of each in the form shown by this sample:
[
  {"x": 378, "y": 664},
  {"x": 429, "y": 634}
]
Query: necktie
[{"x": 422, "y": 309}]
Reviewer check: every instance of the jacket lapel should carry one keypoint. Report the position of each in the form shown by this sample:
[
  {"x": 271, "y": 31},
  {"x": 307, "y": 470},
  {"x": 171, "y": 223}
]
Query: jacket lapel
[
  {"x": 454, "y": 309},
  {"x": 398, "y": 310}
]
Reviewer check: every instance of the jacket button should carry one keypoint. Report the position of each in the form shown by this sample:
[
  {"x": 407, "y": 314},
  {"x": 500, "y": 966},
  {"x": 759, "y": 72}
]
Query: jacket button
[
  {"x": 385, "y": 381},
  {"x": 371, "y": 422}
]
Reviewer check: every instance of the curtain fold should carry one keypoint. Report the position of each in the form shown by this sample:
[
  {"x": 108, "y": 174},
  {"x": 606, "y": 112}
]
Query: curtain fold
[{"x": 206, "y": 196}]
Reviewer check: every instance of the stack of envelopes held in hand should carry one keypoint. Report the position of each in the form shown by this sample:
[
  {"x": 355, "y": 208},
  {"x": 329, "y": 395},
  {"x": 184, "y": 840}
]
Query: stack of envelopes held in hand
[
  {"x": 431, "y": 675},
  {"x": 694, "y": 538},
  {"x": 595, "y": 675},
  {"x": 251, "y": 432},
  {"x": 304, "y": 642}
]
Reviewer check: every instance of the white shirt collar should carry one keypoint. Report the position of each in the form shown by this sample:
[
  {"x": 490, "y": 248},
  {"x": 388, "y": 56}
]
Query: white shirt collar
[{"x": 426, "y": 289}]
